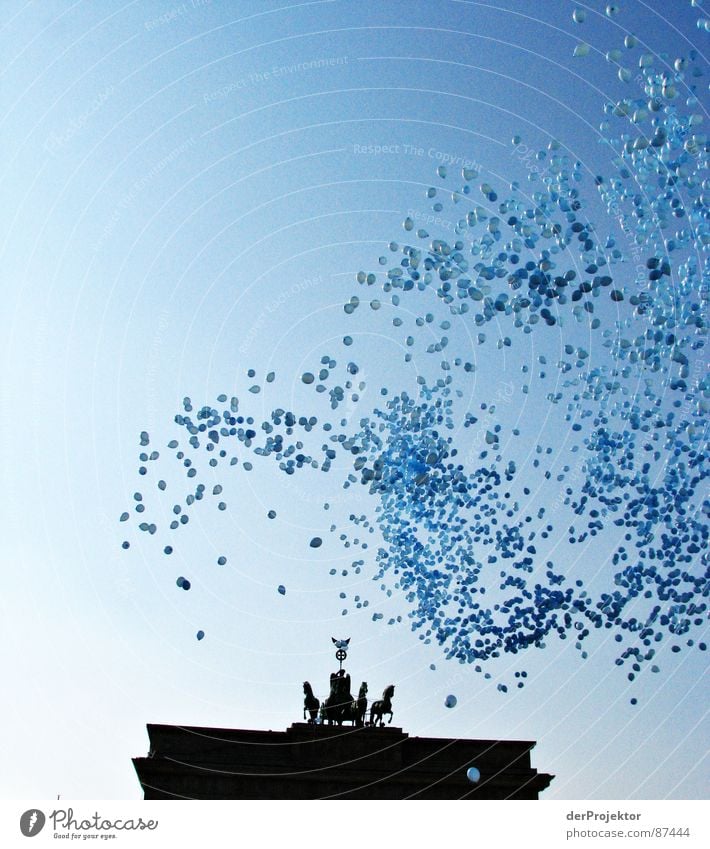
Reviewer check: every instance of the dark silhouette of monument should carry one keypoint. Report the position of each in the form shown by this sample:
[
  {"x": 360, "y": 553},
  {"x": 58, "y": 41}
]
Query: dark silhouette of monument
[{"x": 325, "y": 758}]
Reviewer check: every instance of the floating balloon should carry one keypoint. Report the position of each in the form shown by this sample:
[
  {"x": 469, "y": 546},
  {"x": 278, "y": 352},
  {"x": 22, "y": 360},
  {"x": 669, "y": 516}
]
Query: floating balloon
[{"x": 473, "y": 775}]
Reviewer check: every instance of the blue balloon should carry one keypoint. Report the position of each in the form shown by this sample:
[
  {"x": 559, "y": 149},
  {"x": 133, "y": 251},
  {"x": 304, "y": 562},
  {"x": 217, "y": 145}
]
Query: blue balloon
[{"x": 473, "y": 775}]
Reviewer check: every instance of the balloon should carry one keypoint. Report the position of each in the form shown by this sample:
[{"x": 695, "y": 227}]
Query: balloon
[{"x": 473, "y": 775}]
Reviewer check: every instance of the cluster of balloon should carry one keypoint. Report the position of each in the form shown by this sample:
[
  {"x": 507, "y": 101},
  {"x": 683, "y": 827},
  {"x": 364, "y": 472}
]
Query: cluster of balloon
[{"x": 462, "y": 535}]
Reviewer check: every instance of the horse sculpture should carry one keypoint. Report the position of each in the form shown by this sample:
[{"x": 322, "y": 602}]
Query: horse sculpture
[
  {"x": 381, "y": 707},
  {"x": 359, "y": 706},
  {"x": 310, "y": 703}
]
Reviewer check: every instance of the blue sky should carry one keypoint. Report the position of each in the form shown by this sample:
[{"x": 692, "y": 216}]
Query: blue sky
[{"x": 192, "y": 188}]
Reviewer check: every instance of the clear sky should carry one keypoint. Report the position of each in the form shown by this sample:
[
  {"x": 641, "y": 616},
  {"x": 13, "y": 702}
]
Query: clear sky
[{"x": 189, "y": 192}]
